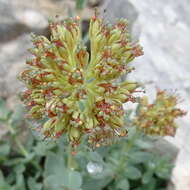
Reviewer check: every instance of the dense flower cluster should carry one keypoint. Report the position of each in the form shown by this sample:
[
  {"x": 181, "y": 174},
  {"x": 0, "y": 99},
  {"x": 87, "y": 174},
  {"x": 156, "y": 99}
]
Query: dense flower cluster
[
  {"x": 79, "y": 94},
  {"x": 158, "y": 118}
]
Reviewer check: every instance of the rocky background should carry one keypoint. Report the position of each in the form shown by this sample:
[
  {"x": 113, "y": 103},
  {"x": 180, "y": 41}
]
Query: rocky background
[{"x": 162, "y": 27}]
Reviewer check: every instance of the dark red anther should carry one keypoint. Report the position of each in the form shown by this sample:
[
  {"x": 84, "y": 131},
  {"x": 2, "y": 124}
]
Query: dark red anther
[
  {"x": 50, "y": 54},
  {"x": 123, "y": 43},
  {"x": 42, "y": 75},
  {"x": 74, "y": 153},
  {"x": 58, "y": 134},
  {"x": 101, "y": 121},
  {"x": 170, "y": 131},
  {"x": 64, "y": 108},
  {"x": 107, "y": 54},
  {"x": 131, "y": 99},
  {"x": 27, "y": 93},
  {"x": 38, "y": 43},
  {"x": 32, "y": 103},
  {"x": 108, "y": 87},
  {"x": 149, "y": 124},
  {"x": 94, "y": 18},
  {"x": 46, "y": 134},
  {"x": 24, "y": 73},
  {"x": 35, "y": 81},
  {"x": 58, "y": 43},
  {"x": 51, "y": 114},
  {"x": 121, "y": 26},
  {"x": 137, "y": 51}
]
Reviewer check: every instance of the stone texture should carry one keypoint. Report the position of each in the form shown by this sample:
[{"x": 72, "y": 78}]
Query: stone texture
[
  {"x": 163, "y": 30},
  {"x": 113, "y": 10}
]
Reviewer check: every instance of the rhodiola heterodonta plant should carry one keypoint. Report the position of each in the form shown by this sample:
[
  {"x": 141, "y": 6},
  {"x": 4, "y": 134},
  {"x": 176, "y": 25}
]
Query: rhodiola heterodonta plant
[
  {"x": 158, "y": 118},
  {"x": 75, "y": 91}
]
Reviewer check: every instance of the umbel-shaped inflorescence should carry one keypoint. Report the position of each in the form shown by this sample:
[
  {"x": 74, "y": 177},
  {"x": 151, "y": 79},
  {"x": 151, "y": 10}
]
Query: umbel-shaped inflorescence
[
  {"x": 158, "y": 118},
  {"x": 78, "y": 93}
]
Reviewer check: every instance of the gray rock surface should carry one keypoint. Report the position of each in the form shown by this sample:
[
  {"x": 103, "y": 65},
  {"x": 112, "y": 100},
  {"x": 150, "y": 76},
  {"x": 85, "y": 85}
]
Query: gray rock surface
[
  {"x": 16, "y": 23},
  {"x": 164, "y": 31}
]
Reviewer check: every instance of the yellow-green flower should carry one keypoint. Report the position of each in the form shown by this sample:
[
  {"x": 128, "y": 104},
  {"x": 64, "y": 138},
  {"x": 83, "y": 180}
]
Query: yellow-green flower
[
  {"x": 158, "y": 118},
  {"x": 79, "y": 92}
]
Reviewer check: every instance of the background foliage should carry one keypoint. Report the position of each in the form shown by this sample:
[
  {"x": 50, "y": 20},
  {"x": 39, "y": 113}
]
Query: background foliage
[{"x": 27, "y": 162}]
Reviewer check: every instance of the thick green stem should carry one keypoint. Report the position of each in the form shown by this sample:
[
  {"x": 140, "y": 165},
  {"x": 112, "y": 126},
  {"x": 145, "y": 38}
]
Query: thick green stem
[
  {"x": 71, "y": 162},
  {"x": 21, "y": 147}
]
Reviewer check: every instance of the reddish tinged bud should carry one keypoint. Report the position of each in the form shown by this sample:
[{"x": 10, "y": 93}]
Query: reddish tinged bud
[
  {"x": 58, "y": 134},
  {"x": 38, "y": 43},
  {"x": 137, "y": 51},
  {"x": 94, "y": 18},
  {"x": 74, "y": 153},
  {"x": 58, "y": 43},
  {"x": 97, "y": 145},
  {"x": 107, "y": 54},
  {"x": 51, "y": 114},
  {"x": 27, "y": 94},
  {"x": 64, "y": 108},
  {"x": 170, "y": 131},
  {"x": 122, "y": 134},
  {"x": 35, "y": 81},
  {"x": 108, "y": 87},
  {"x": 32, "y": 103},
  {"x": 50, "y": 54}
]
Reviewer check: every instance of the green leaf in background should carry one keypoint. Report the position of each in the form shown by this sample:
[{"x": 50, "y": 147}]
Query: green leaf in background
[
  {"x": 123, "y": 185},
  {"x": 140, "y": 157},
  {"x": 132, "y": 172},
  {"x": 4, "y": 149},
  {"x": 19, "y": 169},
  {"x": 150, "y": 186},
  {"x": 57, "y": 176},
  {"x": 33, "y": 185},
  {"x": 3, "y": 184},
  {"x": 43, "y": 147},
  {"x": 54, "y": 164},
  {"x": 93, "y": 184},
  {"x": 69, "y": 179},
  {"x": 94, "y": 156},
  {"x": 163, "y": 168},
  {"x": 20, "y": 183},
  {"x": 143, "y": 143},
  {"x": 147, "y": 177},
  {"x": 163, "y": 173}
]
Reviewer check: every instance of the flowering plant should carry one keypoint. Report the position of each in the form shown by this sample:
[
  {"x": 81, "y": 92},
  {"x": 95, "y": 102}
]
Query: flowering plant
[
  {"x": 76, "y": 92},
  {"x": 158, "y": 118}
]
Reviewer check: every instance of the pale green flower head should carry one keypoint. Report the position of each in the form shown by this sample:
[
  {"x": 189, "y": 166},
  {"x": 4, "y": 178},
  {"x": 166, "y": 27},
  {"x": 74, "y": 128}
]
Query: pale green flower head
[
  {"x": 76, "y": 91},
  {"x": 159, "y": 117}
]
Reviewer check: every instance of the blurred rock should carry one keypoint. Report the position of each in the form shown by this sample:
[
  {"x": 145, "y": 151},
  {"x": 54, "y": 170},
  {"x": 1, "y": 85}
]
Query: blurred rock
[
  {"x": 163, "y": 28},
  {"x": 113, "y": 10},
  {"x": 17, "y": 20},
  {"x": 31, "y": 18},
  {"x": 12, "y": 57},
  {"x": 166, "y": 41}
]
